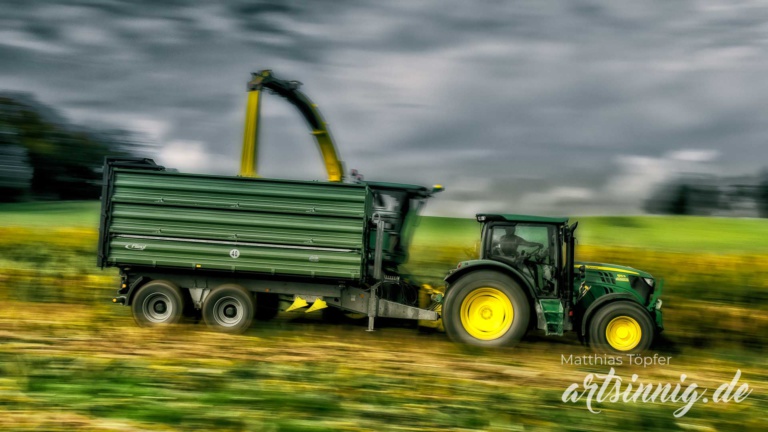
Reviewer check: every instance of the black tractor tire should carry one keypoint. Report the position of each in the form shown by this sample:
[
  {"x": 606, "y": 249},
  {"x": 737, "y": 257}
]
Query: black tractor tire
[
  {"x": 460, "y": 297},
  {"x": 158, "y": 303},
  {"x": 634, "y": 329},
  {"x": 267, "y": 306},
  {"x": 229, "y": 308}
]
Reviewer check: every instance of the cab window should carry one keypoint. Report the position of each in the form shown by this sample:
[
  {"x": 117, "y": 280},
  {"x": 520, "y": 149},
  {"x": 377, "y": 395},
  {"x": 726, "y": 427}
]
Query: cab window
[{"x": 519, "y": 240}]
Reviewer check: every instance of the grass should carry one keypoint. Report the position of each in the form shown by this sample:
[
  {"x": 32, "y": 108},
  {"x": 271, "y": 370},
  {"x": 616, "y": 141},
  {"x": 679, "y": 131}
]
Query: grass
[
  {"x": 676, "y": 233},
  {"x": 72, "y": 366},
  {"x": 46, "y": 214},
  {"x": 68, "y": 361},
  {"x": 670, "y": 233}
]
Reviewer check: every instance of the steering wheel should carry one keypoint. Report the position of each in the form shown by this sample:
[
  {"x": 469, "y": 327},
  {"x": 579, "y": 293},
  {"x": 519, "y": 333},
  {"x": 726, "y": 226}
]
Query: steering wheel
[{"x": 534, "y": 255}]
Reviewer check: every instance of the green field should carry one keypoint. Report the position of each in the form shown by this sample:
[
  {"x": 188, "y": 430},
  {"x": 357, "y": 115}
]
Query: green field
[
  {"x": 69, "y": 359},
  {"x": 670, "y": 233},
  {"x": 51, "y": 214}
]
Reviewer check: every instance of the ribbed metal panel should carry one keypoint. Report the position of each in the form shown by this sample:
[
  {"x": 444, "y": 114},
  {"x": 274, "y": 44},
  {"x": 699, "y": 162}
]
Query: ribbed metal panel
[
  {"x": 305, "y": 229},
  {"x": 263, "y": 259},
  {"x": 320, "y": 231}
]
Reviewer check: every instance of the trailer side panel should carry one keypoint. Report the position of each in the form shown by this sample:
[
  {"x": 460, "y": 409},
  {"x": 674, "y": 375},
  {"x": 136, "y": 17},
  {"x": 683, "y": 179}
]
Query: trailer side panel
[{"x": 156, "y": 218}]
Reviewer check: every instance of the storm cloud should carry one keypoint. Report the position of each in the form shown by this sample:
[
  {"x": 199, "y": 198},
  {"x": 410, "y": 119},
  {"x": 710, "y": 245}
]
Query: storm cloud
[{"x": 527, "y": 107}]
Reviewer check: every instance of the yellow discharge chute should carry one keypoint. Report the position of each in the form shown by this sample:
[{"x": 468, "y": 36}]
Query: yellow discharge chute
[{"x": 290, "y": 91}]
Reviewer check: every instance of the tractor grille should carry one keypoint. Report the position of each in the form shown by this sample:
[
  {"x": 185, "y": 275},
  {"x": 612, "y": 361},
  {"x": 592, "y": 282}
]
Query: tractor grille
[{"x": 607, "y": 278}]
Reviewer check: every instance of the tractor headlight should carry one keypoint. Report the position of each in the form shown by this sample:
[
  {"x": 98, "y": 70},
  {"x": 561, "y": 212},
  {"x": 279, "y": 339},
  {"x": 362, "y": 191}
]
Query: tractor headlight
[{"x": 649, "y": 281}]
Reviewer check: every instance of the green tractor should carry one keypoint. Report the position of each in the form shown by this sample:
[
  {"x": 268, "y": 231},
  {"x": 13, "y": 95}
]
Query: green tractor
[{"x": 527, "y": 278}]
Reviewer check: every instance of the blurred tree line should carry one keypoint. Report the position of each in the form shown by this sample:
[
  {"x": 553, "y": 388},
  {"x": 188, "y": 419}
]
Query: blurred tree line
[
  {"x": 44, "y": 157},
  {"x": 712, "y": 196}
]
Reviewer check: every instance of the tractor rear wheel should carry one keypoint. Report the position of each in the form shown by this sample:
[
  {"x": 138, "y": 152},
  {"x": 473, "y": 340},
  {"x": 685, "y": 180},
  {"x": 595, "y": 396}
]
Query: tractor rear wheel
[
  {"x": 622, "y": 327},
  {"x": 229, "y": 309},
  {"x": 157, "y": 303},
  {"x": 486, "y": 308}
]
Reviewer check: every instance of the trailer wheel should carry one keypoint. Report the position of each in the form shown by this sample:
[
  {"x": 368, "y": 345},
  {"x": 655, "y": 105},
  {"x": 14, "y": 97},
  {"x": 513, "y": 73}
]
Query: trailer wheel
[
  {"x": 621, "y": 327},
  {"x": 157, "y": 303},
  {"x": 486, "y": 308},
  {"x": 229, "y": 309},
  {"x": 267, "y": 306}
]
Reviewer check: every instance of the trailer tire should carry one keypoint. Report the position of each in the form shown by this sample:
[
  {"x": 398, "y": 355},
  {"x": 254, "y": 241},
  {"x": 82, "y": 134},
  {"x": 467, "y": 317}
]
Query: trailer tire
[
  {"x": 267, "y": 306},
  {"x": 157, "y": 303},
  {"x": 487, "y": 309},
  {"x": 229, "y": 308},
  {"x": 621, "y": 327}
]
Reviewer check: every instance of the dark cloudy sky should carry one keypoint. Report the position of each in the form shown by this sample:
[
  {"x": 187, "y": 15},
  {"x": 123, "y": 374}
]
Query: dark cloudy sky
[{"x": 572, "y": 107}]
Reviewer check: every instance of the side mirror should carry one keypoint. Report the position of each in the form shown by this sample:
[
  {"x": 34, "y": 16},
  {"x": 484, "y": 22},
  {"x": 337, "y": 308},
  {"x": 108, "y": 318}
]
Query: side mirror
[{"x": 582, "y": 272}]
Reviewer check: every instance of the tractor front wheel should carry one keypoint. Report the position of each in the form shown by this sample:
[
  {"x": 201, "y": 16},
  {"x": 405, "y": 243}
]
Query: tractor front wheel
[
  {"x": 622, "y": 327},
  {"x": 486, "y": 308}
]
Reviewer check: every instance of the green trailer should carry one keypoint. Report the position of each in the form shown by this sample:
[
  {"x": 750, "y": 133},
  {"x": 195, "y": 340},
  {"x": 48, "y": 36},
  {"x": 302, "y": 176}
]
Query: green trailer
[{"x": 231, "y": 247}]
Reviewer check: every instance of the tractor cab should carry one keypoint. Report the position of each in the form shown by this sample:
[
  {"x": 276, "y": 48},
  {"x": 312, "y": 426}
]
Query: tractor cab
[
  {"x": 536, "y": 253},
  {"x": 535, "y": 246}
]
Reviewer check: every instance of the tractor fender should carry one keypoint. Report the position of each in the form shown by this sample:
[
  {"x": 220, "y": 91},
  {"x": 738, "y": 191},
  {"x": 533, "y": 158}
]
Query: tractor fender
[
  {"x": 600, "y": 302},
  {"x": 467, "y": 267}
]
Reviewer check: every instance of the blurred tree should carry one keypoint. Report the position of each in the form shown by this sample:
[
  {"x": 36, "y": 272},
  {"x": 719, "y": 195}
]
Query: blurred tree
[
  {"x": 45, "y": 157},
  {"x": 762, "y": 194},
  {"x": 680, "y": 203},
  {"x": 15, "y": 172},
  {"x": 688, "y": 196},
  {"x": 670, "y": 198}
]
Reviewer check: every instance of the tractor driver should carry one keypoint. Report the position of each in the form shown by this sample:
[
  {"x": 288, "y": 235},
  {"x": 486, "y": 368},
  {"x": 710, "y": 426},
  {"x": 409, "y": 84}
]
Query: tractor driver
[{"x": 510, "y": 242}]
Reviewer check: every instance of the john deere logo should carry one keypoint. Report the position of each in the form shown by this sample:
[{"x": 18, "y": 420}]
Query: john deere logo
[
  {"x": 135, "y": 246},
  {"x": 234, "y": 253},
  {"x": 314, "y": 258}
]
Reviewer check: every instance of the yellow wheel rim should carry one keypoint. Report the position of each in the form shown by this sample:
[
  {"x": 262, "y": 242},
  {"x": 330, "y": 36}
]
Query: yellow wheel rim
[
  {"x": 486, "y": 313},
  {"x": 623, "y": 333}
]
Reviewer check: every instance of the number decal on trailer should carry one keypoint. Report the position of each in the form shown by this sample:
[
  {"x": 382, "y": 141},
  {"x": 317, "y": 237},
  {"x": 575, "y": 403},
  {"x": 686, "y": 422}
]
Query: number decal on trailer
[{"x": 234, "y": 253}]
